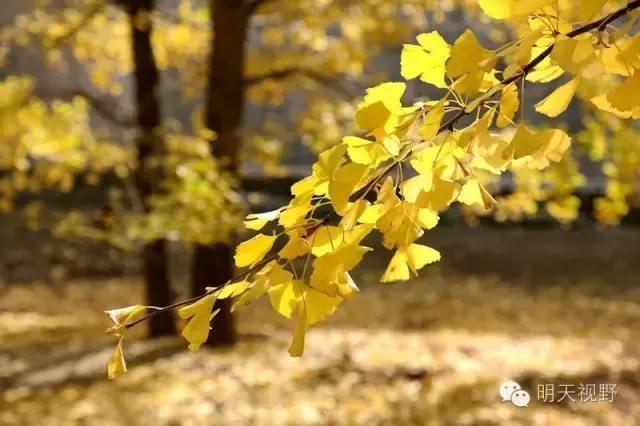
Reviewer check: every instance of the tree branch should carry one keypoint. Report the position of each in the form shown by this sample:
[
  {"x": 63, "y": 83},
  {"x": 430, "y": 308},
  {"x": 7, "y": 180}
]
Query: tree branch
[
  {"x": 84, "y": 21},
  {"x": 599, "y": 25},
  {"x": 253, "y": 6},
  {"x": 158, "y": 311},
  {"x": 331, "y": 82},
  {"x": 448, "y": 125},
  {"x": 103, "y": 107}
]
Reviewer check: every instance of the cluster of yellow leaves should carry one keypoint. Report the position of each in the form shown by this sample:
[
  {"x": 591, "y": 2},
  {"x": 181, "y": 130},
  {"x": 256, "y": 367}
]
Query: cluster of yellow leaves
[
  {"x": 120, "y": 317},
  {"x": 45, "y": 146},
  {"x": 617, "y": 147},
  {"x": 196, "y": 186},
  {"x": 367, "y": 187},
  {"x": 410, "y": 162}
]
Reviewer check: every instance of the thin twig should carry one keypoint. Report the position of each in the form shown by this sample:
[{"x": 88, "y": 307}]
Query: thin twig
[
  {"x": 84, "y": 21},
  {"x": 240, "y": 276},
  {"x": 332, "y": 82},
  {"x": 104, "y": 107}
]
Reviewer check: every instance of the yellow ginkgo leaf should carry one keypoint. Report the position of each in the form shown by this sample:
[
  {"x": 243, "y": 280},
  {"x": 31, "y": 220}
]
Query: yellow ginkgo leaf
[
  {"x": 230, "y": 290},
  {"x": 253, "y": 250},
  {"x": 318, "y": 305},
  {"x": 343, "y": 184},
  {"x": 603, "y": 104},
  {"x": 296, "y": 348},
  {"x": 199, "y": 315},
  {"x": 391, "y": 144},
  {"x": 398, "y": 269},
  {"x": 497, "y": 9},
  {"x": 558, "y": 101},
  {"x": 316, "y": 184},
  {"x": 426, "y": 60},
  {"x": 358, "y": 149},
  {"x": 442, "y": 193},
  {"x": 474, "y": 194},
  {"x": 371, "y": 214},
  {"x": 414, "y": 186},
  {"x": 546, "y": 70},
  {"x": 626, "y": 97},
  {"x": 469, "y": 84},
  {"x": 121, "y": 317},
  {"x": 469, "y": 56},
  {"x": 428, "y": 218},
  {"x": 432, "y": 120},
  {"x": 509, "y": 104},
  {"x": 284, "y": 297},
  {"x": 269, "y": 276},
  {"x": 573, "y": 54},
  {"x": 413, "y": 61},
  {"x": 256, "y": 221},
  {"x": 381, "y": 107},
  {"x": 295, "y": 211},
  {"x": 347, "y": 287},
  {"x": 356, "y": 234},
  {"x": 305, "y": 186},
  {"x": 353, "y": 212},
  {"x": 255, "y": 290},
  {"x": 296, "y": 245},
  {"x": 409, "y": 258},
  {"x": 523, "y": 143},
  {"x": 117, "y": 365},
  {"x": 622, "y": 58},
  {"x": 536, "y": 150},
  {"x": 418, "y": 256},
  {"x": 326, "y": 239},
  {"x": 328, "y": 270}
]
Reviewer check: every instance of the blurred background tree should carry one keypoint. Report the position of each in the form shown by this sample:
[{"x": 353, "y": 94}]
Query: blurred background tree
[
  {"x": 249, "y": 64},
  {"x": 144, "y": 131}
]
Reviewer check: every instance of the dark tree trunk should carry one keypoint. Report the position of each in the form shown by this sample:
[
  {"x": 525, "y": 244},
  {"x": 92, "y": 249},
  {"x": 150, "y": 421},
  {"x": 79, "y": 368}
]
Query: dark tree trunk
[
  {"x": 146, "y": 82},
  {"x": 225, "y": 97},
  {"x": 213, "y": 265}
]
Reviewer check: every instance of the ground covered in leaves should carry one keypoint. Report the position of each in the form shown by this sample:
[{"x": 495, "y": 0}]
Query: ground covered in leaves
[{"x": 538, "y": 306}]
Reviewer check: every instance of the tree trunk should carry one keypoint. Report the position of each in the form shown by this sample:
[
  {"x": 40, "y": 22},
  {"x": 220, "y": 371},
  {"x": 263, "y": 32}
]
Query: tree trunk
[
  {"x": 225, "y": 98},
  {"x": 146, "y": 82}
]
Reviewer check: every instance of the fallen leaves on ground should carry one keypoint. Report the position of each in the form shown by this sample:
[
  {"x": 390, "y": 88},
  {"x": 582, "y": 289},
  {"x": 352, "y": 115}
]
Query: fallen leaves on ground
[{"x": 431, "y": 352}]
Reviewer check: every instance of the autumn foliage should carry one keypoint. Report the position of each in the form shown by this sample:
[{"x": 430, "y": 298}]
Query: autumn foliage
[{"x": 411, "y": 161}]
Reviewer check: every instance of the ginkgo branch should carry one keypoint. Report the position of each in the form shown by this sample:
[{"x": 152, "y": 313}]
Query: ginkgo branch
[
  {"x": 239, "y": 276},
  {"x": 446, "y": 126},
  {"x": 450, "y": 123},
  {"x": 600, "y": 23}
]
